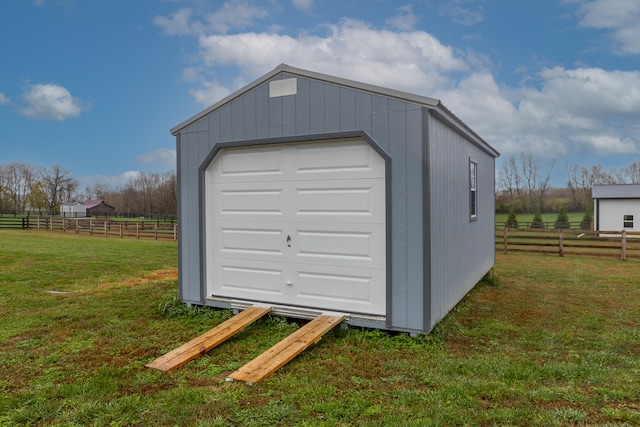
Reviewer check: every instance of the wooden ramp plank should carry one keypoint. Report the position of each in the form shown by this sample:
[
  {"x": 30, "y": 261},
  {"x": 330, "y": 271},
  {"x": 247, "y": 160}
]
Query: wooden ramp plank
[
  {"x": 280, "y": 354},
  {"x": 205, "y": 342}
]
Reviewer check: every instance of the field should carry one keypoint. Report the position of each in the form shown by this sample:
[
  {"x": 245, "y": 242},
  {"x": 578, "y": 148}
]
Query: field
[{"x": 547, "y": 341}]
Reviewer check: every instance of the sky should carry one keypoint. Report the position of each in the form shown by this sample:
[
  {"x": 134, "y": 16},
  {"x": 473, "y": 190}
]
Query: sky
[{"x": 95, "y": 85}]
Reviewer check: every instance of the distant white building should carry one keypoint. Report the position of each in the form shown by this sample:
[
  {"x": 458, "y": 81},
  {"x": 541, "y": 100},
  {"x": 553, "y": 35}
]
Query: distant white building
[
  {"x": 73, "y": 210},
  {"x": 616, "y": 207}
]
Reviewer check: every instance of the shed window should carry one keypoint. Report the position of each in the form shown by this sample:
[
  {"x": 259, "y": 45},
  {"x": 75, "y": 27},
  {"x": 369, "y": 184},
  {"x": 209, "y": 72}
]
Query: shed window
[
  {"x": 473, "y": 193},
  {"x": 627, "y": 221}
]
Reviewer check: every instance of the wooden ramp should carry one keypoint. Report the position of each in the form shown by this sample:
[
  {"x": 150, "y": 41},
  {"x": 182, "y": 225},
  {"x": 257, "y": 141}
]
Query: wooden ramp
[
  {"x": 205, "y": 342},
  {"x": 280, "y": 354}
]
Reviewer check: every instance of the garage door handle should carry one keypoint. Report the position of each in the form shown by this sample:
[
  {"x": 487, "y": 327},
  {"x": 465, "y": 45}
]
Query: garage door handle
[{"x": 288, "y": 240}]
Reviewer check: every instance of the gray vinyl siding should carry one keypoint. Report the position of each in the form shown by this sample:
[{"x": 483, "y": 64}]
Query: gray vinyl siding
[
  {"x": 435, "y": 253},
  {"x": 462, "y": 250}
]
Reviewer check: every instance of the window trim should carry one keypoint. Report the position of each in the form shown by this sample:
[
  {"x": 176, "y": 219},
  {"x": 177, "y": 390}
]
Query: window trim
[
  {"x": 628, "y": 221},
  {"x": 473, "y": 189}
]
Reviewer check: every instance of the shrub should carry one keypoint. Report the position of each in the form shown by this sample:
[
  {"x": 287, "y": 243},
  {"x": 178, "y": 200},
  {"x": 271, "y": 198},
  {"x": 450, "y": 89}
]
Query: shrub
[
  {"x": 585, "y": 224},
  {"x": 512, "y": 221},
  {"x": 562, "y": 220},
  {"x": 537, "y": 220}
]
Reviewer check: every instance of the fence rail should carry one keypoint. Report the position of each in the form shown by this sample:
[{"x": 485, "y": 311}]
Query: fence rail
[
  {"x": 622, "y": 243},
  {"x": 13, "y": 222},
  {"x": 106, "y": 228}
]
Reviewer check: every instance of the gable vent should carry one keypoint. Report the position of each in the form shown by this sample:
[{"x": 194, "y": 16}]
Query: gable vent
[{"x": 283, "y": 87}]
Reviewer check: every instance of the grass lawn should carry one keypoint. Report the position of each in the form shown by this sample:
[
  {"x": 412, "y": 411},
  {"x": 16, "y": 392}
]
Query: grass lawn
[{"x": 548, "y": 341}]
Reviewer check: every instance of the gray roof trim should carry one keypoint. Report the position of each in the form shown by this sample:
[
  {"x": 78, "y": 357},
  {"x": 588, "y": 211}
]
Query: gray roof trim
[
  {"x": 430, "y": 103},
  {"x": 226, "y": 100},
  {"x": 616, "y": 191},
  {"x": 465, "y": 130}
]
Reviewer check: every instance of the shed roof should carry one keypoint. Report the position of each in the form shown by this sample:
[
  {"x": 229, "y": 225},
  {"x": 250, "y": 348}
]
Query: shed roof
[
  {"x": 616, "y": 191},
  {"x": 93, "y": 203},
  {"x": 431, "y": 103}
]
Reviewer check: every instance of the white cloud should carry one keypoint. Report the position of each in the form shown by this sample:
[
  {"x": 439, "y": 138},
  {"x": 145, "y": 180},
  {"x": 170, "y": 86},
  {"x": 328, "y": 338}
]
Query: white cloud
[
  {"x": 573, "y": 111},
  {"x": 556, "y": 112},
  {"x": 351, "y": 49},
  {"x": 232, "y": 15},
  {"x": 405, "y": 20},
  {"x": 162, "y": 156},
  {"x": 621, "y": 17},
  {"x": 51, "y": 102},
  {"x": 4, "y": 99},
  {"x": 178, "y": 24},
  {"x": 209, "y": 92},
  {"x": 605, "y": 144},
  {"x": 461, "y": 12},
  {"x": 303, "y": 5}
]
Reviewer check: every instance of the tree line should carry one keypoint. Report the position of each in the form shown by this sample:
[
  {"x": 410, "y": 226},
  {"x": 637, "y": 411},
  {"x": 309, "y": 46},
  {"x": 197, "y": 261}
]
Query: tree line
[
  {"x": 24, "y": 188},
  {"x": 524, "y": 185}
]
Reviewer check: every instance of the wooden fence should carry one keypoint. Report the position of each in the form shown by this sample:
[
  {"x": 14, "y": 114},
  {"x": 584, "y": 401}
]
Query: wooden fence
[
  {"x": 624, "y": 244},
  {"x": 14, "y": 222},
  {"x": 106, "y": 227}
]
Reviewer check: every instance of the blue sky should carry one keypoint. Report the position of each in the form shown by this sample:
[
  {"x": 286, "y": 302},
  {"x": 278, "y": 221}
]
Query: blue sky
[{"x": 95, "y": 85}]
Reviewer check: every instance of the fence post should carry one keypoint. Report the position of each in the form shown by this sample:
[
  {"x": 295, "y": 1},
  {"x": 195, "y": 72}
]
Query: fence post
[
  {"x": 105, "y": 228},
  {"x": 623, "y": 254},
  {"x": 120, "y": 230},
  {"x": 51, "y": 224},
  {"x": 506, "y": 240},
  {"x": 561, "y": 243},
  {"x": 155, "y": 230},
  {"x": 137, "y": 230},
  {"x": 24, "y": 225}
]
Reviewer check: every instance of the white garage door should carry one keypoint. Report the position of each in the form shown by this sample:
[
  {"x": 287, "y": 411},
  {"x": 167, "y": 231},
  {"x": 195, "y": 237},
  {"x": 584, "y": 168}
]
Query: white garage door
[{"x": 298, "y": 224}]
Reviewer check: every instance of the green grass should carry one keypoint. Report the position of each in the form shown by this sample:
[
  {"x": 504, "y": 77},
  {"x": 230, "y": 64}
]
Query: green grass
[{"x": 547, "y": 341}]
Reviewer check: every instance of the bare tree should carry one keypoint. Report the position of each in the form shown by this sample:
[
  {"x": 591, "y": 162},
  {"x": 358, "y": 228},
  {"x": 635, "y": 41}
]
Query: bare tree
[
  {"x": 510, "y": 182},
  {"x": 98, "y": 191},
  {"x": 581, "y": 180},
  {"x": 4, "y": 189},
  {"x": 19, "y": 179},
  {"x": 631, "y": 173},
  {"x": 150, "y": 193},
  {"x": 525, "y": 183},
  {"x": 58, "y": 186}
]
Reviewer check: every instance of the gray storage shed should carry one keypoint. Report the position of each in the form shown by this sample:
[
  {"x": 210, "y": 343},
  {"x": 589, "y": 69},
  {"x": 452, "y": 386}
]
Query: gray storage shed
[{"x": 313, "y": 193}]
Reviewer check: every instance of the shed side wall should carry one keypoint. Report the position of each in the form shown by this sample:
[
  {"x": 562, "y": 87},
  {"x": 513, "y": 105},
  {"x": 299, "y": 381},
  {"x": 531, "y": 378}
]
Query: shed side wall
[
  {"x": 462, "y": 250},
  {"x": 611, "y": 213}
]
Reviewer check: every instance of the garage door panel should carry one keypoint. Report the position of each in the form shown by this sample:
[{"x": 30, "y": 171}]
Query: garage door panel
[
  {"x": 354, "y": 201},
  {"x": 337, "y": 160},
  {"x": 236, "y": 279},
  {"x": 236, "y": 200},
  {"x": 249, "y": 164},
  {"x": 358, "y": 245},
  {"x": 236, "y": 240},
  {"x": 344, "y": 289}
]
